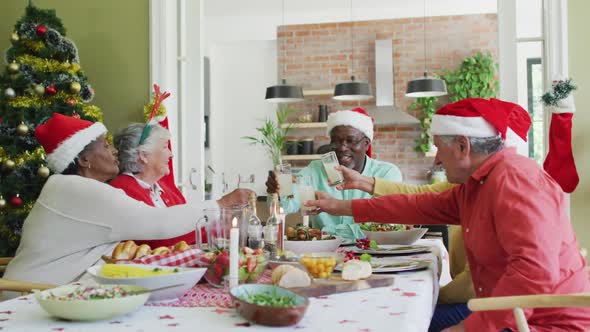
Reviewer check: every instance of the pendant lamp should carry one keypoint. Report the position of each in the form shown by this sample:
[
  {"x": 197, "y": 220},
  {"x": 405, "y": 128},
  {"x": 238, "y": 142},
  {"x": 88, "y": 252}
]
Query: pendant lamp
[
  {"x": 352, "y": 90},
  {"x": 283, "y": 92},
  {"x": 426, "y": 86}
]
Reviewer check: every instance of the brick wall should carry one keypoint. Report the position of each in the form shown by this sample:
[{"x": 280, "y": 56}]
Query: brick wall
[{"x": 317, "y": 56}]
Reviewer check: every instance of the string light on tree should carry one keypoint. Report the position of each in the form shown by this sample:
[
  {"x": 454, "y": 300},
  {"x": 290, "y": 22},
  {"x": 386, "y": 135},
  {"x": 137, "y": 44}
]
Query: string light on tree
[
  {"x": 71, "y": 102},
  {"x": 2, "y": 202},
  {"x": 14, "y": 37}
]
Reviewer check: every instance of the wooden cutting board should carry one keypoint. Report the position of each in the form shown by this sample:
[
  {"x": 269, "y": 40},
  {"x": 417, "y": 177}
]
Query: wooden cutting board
[{"x": 337, "y": 285}]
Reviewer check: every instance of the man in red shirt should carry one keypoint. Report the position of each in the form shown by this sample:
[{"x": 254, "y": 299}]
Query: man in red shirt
[{"x": 518, "y": 237}]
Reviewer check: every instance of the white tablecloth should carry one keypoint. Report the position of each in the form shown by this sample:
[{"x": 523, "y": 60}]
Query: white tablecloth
[{"x": 405, "y": 306}]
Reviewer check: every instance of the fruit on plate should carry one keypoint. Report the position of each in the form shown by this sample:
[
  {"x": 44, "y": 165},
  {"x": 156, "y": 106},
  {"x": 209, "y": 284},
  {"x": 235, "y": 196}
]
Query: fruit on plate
[
  {"x": 319, "y": 266},
  {"x": 366, "y": 244},
  {"x": 288, "y": 276},
  {"x": 251, "y": 264},
  {"x": 356, "y": 270},
  {"x": 127, "y": 271}
]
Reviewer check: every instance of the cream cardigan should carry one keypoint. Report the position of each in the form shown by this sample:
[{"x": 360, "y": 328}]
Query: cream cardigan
[{"x": 76, "y": 220}]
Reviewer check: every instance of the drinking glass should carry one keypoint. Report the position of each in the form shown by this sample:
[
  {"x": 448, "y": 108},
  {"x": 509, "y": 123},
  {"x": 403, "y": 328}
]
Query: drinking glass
[
  {"x": 285, "y": 177},
  {"x": 329, "y": 160},
  {"x": 306, "y": 191}
]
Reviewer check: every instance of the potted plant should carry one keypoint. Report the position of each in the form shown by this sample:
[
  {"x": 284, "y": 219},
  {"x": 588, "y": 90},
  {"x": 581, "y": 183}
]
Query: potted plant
[
  {"x": 272, "y": 134},
  {"x": 474, "y": 78},
  {"x": 426, "y": 107}
]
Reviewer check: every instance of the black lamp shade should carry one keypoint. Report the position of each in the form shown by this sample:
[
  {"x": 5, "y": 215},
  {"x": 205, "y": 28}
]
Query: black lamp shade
[
  {"x": 426, "y": 87},
  {"x": 283, "y": 93},
  {"x": 352, "y": 90}
]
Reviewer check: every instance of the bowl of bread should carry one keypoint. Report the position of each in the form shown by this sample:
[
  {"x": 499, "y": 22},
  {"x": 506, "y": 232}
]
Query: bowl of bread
[{"x": 129, "y": 250}]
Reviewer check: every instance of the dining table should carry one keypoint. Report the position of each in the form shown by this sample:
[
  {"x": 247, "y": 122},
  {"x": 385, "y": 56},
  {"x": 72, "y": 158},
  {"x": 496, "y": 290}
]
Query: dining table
[{"x": 407, "y": 305}]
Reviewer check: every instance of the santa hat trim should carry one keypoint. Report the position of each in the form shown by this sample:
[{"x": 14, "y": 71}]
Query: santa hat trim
[
  {"x": 475, "y": 126},
  {"x": 59, "y": 159},
  {"x": 513, "y": 140},
  {"x": 349, "y": 118}
]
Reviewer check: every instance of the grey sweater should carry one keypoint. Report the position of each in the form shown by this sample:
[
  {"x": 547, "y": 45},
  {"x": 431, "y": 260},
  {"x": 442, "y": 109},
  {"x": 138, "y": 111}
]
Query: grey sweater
[{"x": 76, "y": 220}]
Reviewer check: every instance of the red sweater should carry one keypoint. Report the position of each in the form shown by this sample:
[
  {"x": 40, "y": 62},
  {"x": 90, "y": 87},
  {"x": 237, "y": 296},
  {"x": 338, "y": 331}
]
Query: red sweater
[{"x": 170, "y": 195}]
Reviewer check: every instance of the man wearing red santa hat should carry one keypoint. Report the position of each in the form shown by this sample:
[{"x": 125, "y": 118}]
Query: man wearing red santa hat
[
  {"x": 518, "y": 237},
  {"x": 351, "y": 133}
]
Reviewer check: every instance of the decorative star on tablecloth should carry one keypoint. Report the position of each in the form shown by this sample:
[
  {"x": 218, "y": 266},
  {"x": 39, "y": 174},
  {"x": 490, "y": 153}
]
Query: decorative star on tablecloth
[
  {"x": 409, "y": 294},
  {"x": 417, "y": 280},
  {"x": 221, "y": 311},
  {"x": 383, "y": 307},
  {"x": 395, "y": 289},
  {"x": 396, "y": 313},
  {"x": 166, "y": 317},
  {"x": 173, "y": 324},
  {"x": 344, "y": 321},
  {"x": 244, "y": 324}
]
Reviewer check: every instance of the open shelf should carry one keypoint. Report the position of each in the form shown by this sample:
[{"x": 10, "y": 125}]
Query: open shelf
[
  {"x": 324, "y": 92},
  {"x": 301, "y": 157},
  {"x": 305, "y": 125}
]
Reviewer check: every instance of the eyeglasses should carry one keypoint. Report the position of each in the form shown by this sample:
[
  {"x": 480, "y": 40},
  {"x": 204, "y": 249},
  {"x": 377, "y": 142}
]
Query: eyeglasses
[{"x": 349, "y": 142}]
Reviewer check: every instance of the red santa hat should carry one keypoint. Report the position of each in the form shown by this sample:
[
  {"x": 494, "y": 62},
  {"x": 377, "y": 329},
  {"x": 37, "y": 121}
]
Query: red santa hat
[
  {"x": 64, "y": 137},
  {"x": 477, "y": 117},
  {"x": 357, "y": 118}
]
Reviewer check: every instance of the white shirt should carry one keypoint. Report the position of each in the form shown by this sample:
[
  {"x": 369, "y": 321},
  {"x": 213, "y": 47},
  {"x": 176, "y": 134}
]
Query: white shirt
[{"x": 155, "y": 191}]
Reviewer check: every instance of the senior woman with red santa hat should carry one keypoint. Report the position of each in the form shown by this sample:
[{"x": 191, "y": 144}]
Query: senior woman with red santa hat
[{"x": 78, "y": 217}]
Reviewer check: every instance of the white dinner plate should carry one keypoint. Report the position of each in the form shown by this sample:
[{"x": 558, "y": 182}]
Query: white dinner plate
[
  {"x": 393, "y": 250},
  {"x": 394, "y": 266}
]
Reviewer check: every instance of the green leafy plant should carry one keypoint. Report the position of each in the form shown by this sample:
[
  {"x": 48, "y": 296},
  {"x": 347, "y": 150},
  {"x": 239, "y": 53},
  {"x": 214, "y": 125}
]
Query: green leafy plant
[
  {"x": 272, "y": 134},
  {"x": 474, "y": 78},
  {"x": 426, "y": 107}
]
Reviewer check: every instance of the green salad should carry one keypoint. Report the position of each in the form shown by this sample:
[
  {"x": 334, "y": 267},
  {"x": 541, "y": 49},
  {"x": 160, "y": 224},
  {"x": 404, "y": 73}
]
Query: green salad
[
  {"x": 271, "y": 299},
  {"x": 376, "y": 227}
]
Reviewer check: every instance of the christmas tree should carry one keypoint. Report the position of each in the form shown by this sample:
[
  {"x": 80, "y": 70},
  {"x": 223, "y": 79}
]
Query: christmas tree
[{"x": 42, "y": 76}]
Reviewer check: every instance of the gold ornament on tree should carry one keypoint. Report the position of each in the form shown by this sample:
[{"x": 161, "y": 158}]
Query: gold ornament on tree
[
  {"x": 43, "y": 171},
  {"x": 2, "y": 202},
  {"x": 75, "y": 87},
  {"x": 13, "y": 68},
  {"x": 8, "y": 165},
  {"x": 22, "y": 129},
  {"x": 39, "y": 89},
  {"x": 10, "y": 93},
  {"x": 14, "y": 37}
]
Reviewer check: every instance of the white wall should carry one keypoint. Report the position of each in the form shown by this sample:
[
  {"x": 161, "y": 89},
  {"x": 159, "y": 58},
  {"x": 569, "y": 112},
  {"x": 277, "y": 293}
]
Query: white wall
[{"x": 238, "y": 107}]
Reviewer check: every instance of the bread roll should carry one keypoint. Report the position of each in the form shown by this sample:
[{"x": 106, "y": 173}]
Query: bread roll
[
  {"x": 278, "y": 272},
  {"x": 142, "y": 250},
  {"x": 125, "y": 250},
  {"x": 356, "y": 269},
  {"x": 161, "y": 251},
  {"x": 294, "y": 278},
  {"x": 181, "y": 246}
]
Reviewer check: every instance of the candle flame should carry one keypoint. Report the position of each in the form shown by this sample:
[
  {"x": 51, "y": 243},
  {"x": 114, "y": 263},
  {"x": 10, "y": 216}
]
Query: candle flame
[{"x": 234, "y": 222}]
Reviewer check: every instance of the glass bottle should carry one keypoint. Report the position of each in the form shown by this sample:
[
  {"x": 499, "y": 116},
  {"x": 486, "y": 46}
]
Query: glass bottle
[
  {"x": 271, "y": 229},
  {"x": 254, "y": 225}
]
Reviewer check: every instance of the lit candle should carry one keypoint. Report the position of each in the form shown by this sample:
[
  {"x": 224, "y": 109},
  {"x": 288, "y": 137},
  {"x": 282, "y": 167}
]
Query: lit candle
[
  {"x": 234, "y": 253},
  {"x": 305, "y": 221}
]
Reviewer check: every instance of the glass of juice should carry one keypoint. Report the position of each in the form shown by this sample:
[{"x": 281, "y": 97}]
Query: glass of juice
[
  {"x": 329, "y": 160},
  {"x": 306, "y": 192},
  {"x": 285, "y": 178}
]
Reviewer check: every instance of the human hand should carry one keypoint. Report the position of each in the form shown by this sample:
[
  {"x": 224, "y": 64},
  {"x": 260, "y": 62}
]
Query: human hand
[
  {"x": 235, "y": 198},
  {"x": 272, "y": 183},
  {"x": 355, "y": 180},
  {"x": 326, "y": 203}
]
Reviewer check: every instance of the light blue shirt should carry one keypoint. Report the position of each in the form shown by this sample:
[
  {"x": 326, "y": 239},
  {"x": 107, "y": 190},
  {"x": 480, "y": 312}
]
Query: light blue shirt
[{"x": 338, "y": 225}]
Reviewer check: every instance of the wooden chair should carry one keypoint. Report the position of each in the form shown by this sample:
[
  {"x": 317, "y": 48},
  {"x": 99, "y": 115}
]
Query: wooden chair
[
  {"x": 22, "y": 287},
  {"x": 516, "y": 303}
]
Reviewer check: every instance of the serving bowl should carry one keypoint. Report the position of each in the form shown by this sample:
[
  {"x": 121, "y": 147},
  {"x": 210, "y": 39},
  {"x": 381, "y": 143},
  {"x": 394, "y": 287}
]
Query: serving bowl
[
  {"x": 89, "y": 309},
  {"x": 266, "y": 314},
  {"x": 320, "y": 265},
  {"x": 251, "y": 265},
  {"x": 306, "y": 247},
  {"x": 184, "y": 277},
  {"x": 397, "y": 237}
]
